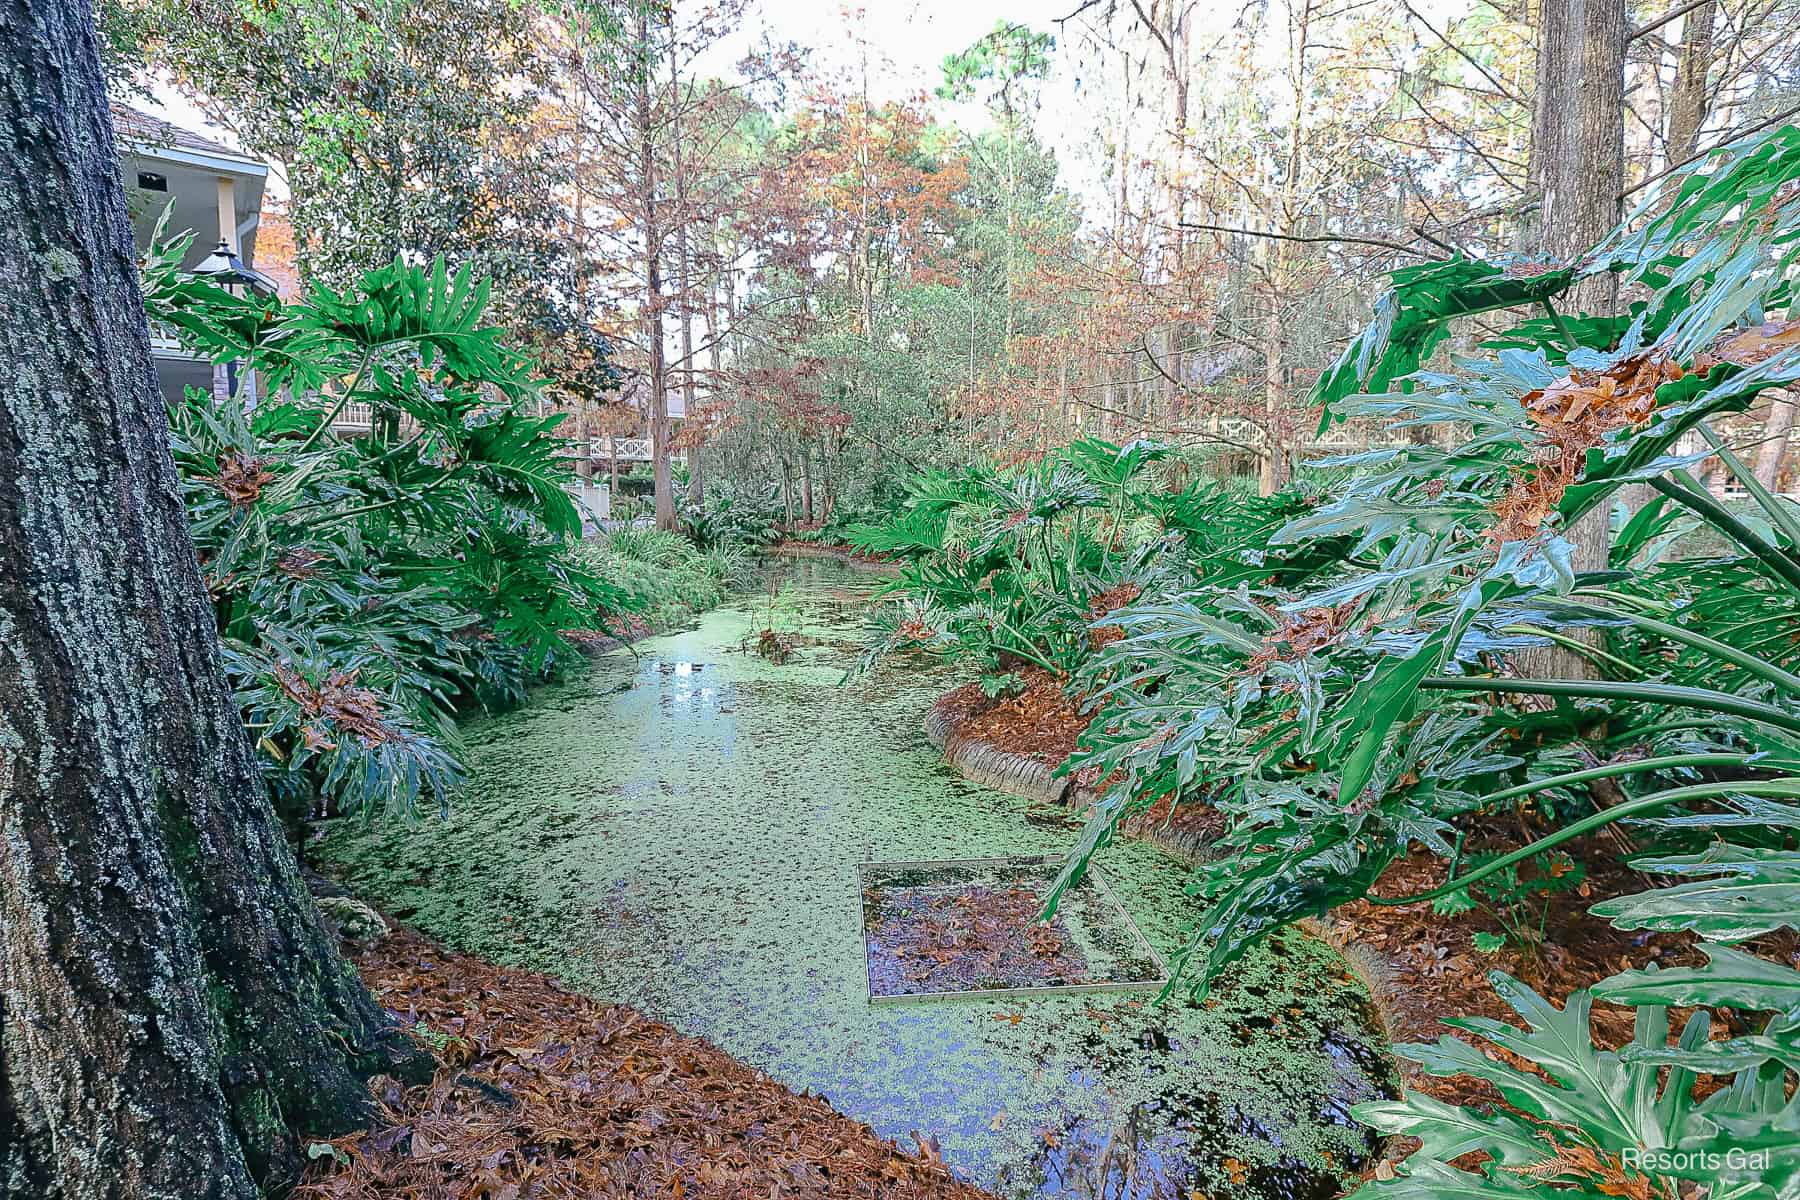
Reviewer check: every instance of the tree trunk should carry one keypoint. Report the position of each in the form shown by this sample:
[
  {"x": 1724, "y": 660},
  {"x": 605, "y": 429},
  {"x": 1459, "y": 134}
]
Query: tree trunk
[
  {"x": 1578, "y": 134},
  {"x": 1687, "y": 98},
  {"x": 653, "y": 291},
  {"x": 683, "y": 280},
  {"x": 1274, "y": 400},
  {"x": 806, "y": 491},
  {"x": 1578, "y": 170},
  {"x": 172, "y": 1010},
  {"x": 715, "y": 359},
  {"x": 1776, "y": 430}
]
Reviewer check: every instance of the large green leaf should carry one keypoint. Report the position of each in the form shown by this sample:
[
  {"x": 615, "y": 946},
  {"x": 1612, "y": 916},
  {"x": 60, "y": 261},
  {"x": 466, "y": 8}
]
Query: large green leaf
[
  {"x": 1730, "y": 979},
  {"x": 1752, "y": 895}
]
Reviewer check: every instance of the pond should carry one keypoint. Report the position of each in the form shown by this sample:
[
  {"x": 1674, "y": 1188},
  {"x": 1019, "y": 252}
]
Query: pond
[{"x": 680, "y": 829}]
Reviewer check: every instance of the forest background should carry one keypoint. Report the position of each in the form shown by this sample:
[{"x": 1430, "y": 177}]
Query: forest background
[{"x": 1131, "y": 218}]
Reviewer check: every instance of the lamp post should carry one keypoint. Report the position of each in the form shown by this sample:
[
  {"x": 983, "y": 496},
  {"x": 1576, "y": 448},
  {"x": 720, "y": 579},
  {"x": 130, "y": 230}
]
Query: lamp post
[{"x": 226, "y": 269}]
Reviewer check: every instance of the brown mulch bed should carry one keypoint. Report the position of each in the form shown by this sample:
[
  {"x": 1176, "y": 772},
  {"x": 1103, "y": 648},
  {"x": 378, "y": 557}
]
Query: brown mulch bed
[
  {"x": 1427, "y": 967},
  {"x": 1040, "y": 722},
  {"x": 545, "y": 1094}
]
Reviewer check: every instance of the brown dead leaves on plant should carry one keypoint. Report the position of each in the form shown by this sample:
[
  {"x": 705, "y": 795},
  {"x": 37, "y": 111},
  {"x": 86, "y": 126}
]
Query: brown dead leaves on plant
[
  {"x": 1577, "y": 412},
  {"x": 1300, "y": 634},
  {"x": 1572, "y": 416},
  {"x": 1747, "y": 347},
  {"x": 338, "y": 703},
  {"x": 240, "y": 479}
]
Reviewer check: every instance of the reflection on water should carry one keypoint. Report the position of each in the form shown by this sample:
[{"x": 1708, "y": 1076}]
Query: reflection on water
[{"x": 679, "y": 829}]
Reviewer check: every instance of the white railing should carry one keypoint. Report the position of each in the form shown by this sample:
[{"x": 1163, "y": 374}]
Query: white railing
[
  {"x": 164, "y": 343},
  {"x": 630, "y": 449},
  {"x": 357, "y": 418}
]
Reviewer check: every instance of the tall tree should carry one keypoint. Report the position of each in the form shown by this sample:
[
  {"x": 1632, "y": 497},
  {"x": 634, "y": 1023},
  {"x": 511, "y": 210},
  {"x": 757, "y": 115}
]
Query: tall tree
[
  {"x": 1578, "y": 133},
  {"x": 1007, "y": 58},
  {"x": 651, "y": 134},
  {"x": 404, "y": 126},
  {"x": 172, "y": 1009},
  {"x": 1578, "y": 174}
]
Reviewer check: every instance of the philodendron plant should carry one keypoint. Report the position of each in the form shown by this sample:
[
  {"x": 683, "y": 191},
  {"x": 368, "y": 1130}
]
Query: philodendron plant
[{"x": 1382, "y": 702}]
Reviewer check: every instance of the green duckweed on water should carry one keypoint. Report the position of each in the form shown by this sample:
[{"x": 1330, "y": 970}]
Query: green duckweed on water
[{"x": 679, "y": 830}]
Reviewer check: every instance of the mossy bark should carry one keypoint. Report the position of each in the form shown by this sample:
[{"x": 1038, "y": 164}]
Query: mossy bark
[{"x": 173, "y": 1014}]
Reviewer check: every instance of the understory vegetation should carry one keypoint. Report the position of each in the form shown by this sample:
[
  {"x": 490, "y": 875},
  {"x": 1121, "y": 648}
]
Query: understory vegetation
[
  {"x": 368, "y": 586},
  {"x": 1432, "y": 651},
  {"x": 666, "y": 576}
]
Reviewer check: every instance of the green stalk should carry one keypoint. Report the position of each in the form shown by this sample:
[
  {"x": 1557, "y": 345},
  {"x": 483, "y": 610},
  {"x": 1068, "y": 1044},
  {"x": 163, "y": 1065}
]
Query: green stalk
[
  {"x": 1599, "y": 820},
  {"x": 1759, "y": 667},
  {"x": 1577, "y": 646},
  {"x": 1609, "y": 770},
  {"x": 1639, "y": 732},
  {"x": 1623, "y": 599},
  {"x": 1562, "y": 326},
  {"x": 1779, "y": 513},
  {"x": 1718, "y": 516},
  {"x": 368, "y": 357},
  {"x": 1601, "y": 689}
]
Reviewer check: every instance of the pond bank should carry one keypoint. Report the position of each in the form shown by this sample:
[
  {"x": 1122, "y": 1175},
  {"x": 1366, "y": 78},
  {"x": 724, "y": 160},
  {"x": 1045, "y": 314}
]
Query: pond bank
[
  {"x": 544, "y": 1091},
  {"x": 679, "y": 829}
]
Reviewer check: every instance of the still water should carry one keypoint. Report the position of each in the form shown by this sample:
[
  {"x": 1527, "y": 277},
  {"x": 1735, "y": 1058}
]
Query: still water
[{"x": 679, "y": 829}]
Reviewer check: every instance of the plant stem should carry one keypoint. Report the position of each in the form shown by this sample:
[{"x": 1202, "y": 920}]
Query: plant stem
[
  {"x": 1766, "y": 500},
  {"x": 1608, "y": 770},
  {"x": 1717, "y": 515},
  {"x": 1562, "y": 326},
  {"x": 1698, "y": 791},
  {"x": 1577, "y": 646},
  {"x": 1759, "y": 667},
  {"x": 355, "y": 380},
  {"x": 1642, "y": 693}
]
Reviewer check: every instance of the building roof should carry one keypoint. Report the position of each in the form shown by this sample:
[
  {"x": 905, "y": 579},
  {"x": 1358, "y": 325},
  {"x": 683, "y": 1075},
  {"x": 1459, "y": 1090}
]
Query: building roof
[{"x": 138, "y": 130}]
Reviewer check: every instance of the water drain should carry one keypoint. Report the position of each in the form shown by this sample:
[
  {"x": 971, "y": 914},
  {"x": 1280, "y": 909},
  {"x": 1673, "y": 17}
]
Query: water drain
[{"x": 968, "y": 929}]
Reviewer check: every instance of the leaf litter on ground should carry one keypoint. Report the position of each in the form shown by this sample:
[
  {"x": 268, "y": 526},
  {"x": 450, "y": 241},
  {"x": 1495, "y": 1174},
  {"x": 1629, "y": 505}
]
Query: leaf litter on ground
[{"x": 546, "y": 1094}]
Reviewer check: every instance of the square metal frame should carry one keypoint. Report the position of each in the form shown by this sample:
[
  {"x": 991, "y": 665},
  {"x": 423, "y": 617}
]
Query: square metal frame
[{"x": 1103, "y": 889}]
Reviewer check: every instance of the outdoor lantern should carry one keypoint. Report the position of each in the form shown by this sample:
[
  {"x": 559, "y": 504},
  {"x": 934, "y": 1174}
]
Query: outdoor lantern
[{"x": 227, "y": 269}]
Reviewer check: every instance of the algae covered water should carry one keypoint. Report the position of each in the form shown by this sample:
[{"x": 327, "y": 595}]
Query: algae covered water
[{"x": 679, "y": 829}]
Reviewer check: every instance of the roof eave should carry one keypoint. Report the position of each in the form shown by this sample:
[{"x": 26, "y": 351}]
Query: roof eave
[{"x": 225, "y": 164}]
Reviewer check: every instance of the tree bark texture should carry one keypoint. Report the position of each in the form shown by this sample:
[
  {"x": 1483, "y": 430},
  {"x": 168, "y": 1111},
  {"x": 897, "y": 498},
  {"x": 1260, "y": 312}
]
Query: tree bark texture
[
  {"x": 1578, "y": 170},
  {"x": 172, "y": 1009},
  {"x": 653, "y": 284},
  {"x": 1688, "y": 98},
  {"x": 1578, "y": 133},
  {"x": 1778, "y": 427}
]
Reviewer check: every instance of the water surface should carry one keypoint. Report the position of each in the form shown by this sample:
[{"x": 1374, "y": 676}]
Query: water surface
[{"x": 678, "y": 829}]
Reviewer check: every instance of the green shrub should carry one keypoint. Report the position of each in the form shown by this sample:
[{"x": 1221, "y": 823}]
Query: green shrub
[
  {"x": 1338, "y": 718},
  {"x": 667, "y": 577},
  {"x": 1003, "y": 567},
  {"x": 732, "y": 516},
  {"x": 367, "y": 587}
]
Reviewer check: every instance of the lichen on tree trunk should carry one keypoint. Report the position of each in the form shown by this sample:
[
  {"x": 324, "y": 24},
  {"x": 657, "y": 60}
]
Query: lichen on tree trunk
[{"x": 173, "y": 1014}]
